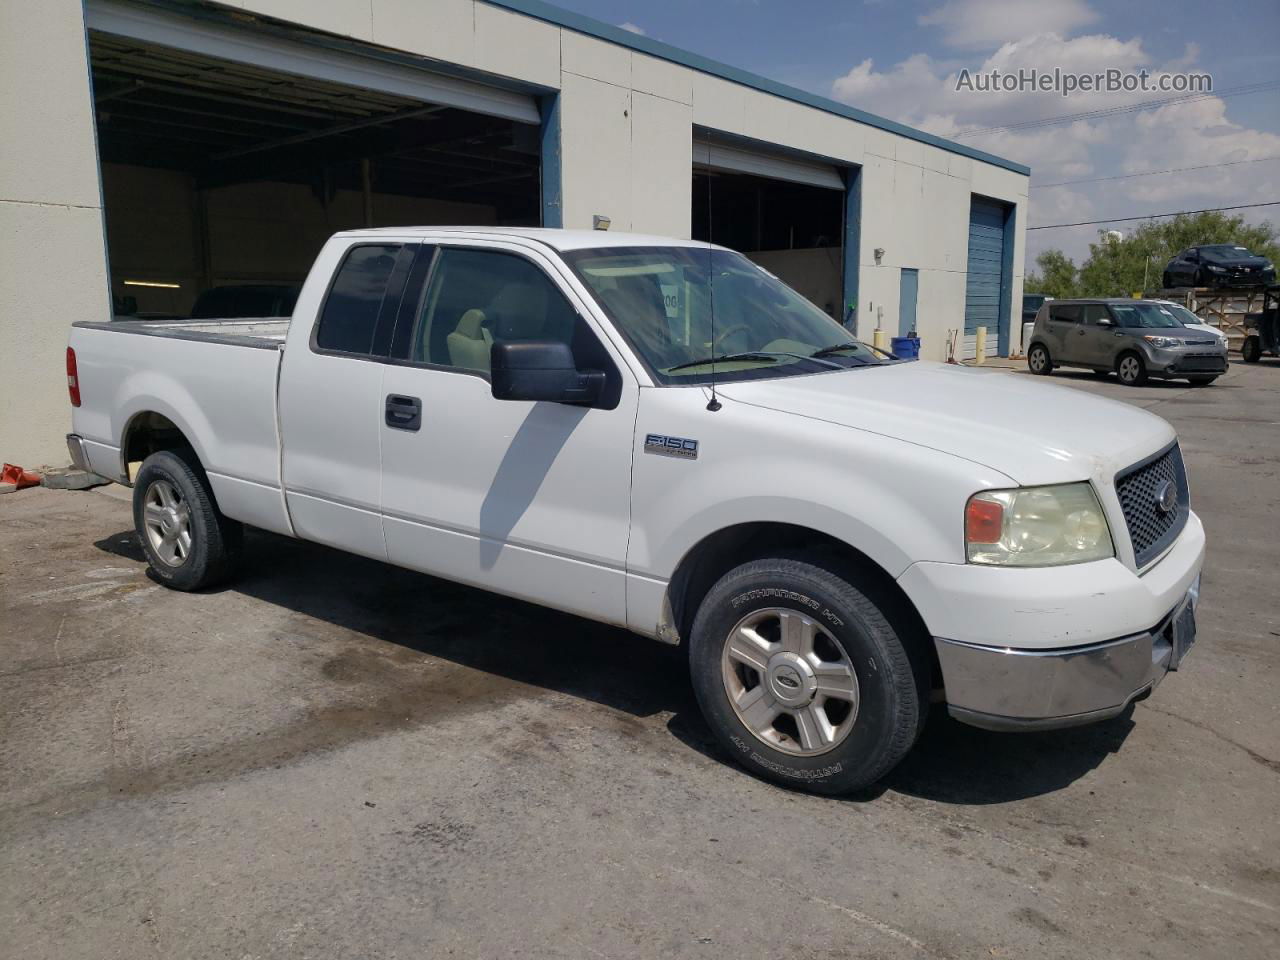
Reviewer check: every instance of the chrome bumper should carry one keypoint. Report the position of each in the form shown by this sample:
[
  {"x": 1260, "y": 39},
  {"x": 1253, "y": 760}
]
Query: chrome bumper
[{"x": 999, "y": 688}]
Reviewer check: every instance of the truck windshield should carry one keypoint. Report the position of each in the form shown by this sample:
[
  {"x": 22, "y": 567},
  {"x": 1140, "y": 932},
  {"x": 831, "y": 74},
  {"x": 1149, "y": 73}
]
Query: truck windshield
[
  {"x": 662, "y": 298},
  {"x": 1143, "y": 315}
]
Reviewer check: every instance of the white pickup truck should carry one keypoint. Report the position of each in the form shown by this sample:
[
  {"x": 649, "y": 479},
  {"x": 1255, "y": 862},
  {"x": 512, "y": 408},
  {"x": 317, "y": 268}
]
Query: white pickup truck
[{"x": 660, "y": 435}]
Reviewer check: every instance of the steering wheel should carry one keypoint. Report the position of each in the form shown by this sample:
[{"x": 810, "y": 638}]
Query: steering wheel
[{"x": 726, "y": 334}]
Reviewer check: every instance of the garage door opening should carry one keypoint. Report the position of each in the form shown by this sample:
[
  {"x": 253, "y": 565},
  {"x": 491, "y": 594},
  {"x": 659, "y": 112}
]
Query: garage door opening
[
  {"x": 793, "y": 229},
  {"x": 222, "y": 179}
]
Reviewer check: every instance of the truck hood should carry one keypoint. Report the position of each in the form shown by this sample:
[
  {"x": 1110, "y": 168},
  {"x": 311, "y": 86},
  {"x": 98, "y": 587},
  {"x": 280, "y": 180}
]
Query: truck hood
[{"x": 1032, "y": 432}]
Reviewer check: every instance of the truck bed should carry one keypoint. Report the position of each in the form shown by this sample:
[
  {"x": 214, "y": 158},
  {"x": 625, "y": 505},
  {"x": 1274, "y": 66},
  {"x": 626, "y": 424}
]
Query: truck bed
[
  {"x": 213, "y": 380},
  {"x": 264, "y": 332}
]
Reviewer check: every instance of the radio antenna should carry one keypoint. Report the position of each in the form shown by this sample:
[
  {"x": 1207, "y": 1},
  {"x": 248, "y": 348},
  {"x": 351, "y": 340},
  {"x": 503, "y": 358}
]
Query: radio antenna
[{"x": 714, "y": 403}]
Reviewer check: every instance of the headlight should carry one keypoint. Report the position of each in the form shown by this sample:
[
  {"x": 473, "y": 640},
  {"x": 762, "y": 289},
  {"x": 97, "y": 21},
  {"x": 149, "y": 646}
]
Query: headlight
[
  {"x": 1036, "y": 526},
  {"x": 1213, "y": 269},
  {"x": 1163, "y": 341}
]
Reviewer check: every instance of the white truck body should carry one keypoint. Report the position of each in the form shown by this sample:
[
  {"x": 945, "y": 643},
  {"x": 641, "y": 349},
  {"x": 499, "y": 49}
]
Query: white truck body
[{"x": 572, "y": 506}]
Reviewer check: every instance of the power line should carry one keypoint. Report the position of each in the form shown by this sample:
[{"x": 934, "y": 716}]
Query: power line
[
  {"x": 1156, "y": 216},
  {"x": 1152, "y": 173},
  {"x": 1115, "y": 111}
]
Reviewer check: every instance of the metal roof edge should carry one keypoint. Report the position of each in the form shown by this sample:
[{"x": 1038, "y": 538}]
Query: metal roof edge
[{"x": 580, "y": 23}]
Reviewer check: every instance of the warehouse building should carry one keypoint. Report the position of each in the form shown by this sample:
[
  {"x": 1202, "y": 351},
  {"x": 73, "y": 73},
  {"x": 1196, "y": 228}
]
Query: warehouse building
[{"x": 163, "y": 158}]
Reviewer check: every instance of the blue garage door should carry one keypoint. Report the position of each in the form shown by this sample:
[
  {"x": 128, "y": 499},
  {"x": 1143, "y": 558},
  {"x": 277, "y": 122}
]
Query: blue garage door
[{"x": 986, "y": 289}]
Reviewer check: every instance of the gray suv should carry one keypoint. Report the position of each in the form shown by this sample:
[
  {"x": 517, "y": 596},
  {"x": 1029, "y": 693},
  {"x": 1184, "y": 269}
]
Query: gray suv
[{"x": 1135, "y": 338}]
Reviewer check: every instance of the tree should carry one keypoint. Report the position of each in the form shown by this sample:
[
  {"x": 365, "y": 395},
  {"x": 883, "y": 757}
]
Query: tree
[
  {"x": 1120, "y": 268},
  {"x": 1055, "y": 275}
]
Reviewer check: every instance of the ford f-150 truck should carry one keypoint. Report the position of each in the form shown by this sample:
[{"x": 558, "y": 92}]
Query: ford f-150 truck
[{"x": 660, "y": 435}]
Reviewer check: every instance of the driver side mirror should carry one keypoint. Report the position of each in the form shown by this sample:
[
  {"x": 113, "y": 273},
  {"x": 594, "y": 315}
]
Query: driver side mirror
[
  {"x": 1106, "y": 322},
  {"x": 541, "y": 370}
]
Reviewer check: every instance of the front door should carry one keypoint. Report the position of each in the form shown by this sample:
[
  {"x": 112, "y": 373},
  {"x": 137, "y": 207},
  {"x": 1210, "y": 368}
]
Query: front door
[
  {"x": 527, "y": 499},
  {"x": 908, "y": 286},
  {"x": 1098, "y": 340}
]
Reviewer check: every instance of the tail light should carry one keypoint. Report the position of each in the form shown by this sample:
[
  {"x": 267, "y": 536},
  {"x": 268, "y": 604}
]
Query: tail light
[{"x": 73, "y": 378}]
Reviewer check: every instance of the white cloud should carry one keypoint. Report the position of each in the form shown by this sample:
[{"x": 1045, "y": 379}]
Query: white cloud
[
  {"x": 632, "y": 28},
  {"x": 920, "y": 91},
  {"x": 983, "y": 24}
]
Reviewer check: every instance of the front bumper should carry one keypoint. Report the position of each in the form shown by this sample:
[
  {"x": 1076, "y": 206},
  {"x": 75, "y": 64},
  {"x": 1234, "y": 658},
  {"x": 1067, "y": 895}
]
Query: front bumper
[
  {"x": 1180, "y": 362},
  {"x": 1000, "y": 688}
]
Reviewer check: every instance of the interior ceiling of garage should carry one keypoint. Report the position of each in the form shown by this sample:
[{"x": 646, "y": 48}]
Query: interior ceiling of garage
[
  {"x": 746, "y": 212},
  {"x": 226, "y": 123}
]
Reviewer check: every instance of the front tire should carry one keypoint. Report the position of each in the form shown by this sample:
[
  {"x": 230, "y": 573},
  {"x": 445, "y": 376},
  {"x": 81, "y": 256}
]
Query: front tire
[
  {"x": 1131, "y": 369},
  {"x": 1251, "y": 349},
  {"x": 188, "y": 542},
  {"x": 1201, "y": 381},
  {"x": 802, "y": 678},
  {"x": 1038, "y": 360},
  {"x": 1166, "y": 281}
]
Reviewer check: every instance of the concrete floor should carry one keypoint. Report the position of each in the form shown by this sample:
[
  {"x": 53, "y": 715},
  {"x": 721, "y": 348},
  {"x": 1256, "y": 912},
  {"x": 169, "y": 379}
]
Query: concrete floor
[{"x": 333, "y": 758}]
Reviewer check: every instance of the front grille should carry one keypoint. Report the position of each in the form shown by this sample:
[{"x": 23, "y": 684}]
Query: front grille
[
  {"x": 1201, "y": 363},
  {"x": 1201, "y": 343},
  {"x": 1151, "y": 529}
]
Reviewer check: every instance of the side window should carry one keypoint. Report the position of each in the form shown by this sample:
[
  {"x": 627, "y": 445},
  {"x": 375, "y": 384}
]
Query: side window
[
  {"x": 349, "y": 318},
  {"x": 1091, "y": 313},
  {"x": 1065, "y": 313},
  {"x": 478, "y": 296}
]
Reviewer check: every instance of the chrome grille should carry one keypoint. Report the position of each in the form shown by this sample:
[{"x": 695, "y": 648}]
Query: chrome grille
[{"x": 1150, "y": 528}]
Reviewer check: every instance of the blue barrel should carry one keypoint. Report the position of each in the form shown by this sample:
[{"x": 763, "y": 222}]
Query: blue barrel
[{"x": 905, "y": 348}]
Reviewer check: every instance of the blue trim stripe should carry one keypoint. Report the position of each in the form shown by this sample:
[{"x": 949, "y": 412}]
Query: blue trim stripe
[
  {"x": 852, "y": 247},
  {"x": 552, "y": 191},
  {"x": 549, "y": 13}
]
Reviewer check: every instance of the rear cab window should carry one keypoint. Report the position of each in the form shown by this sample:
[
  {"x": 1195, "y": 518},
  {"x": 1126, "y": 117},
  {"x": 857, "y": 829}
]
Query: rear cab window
[
  {"x": 1065, "y": 312},
  {"x": 362, "y": 300}
]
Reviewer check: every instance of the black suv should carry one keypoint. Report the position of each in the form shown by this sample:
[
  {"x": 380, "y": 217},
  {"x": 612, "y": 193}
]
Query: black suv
[{"x": 1218, "y": 265}]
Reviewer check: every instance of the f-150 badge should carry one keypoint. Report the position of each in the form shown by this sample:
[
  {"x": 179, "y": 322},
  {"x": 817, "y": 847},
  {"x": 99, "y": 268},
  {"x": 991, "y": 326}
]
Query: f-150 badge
[{"x": 671, "y": 446}]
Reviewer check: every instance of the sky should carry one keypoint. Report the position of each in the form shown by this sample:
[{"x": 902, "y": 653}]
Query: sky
[{"x": 900, "y": 59}]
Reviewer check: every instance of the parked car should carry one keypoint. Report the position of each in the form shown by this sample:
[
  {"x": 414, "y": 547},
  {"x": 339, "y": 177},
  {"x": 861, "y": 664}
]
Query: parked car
[
  {"x": 1190, "y": 320},
  {"x": 838, "y": 539},
  {"x": 1135, "y": 338},
  {"x": 1218, "y": 265},
  {"x": 245, "y": 300},
  {"x": 1031, "y": 304}
]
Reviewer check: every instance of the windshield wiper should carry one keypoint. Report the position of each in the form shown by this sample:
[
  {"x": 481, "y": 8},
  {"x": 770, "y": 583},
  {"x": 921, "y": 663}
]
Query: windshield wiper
[
  {"x": 755, "y": 355},
  {"x": 835, "y": 348}
]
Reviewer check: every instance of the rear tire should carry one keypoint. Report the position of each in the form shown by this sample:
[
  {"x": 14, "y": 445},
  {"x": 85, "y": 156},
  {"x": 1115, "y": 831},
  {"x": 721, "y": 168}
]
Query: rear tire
[
  {"x": 1131, "y": 369},
  {"x": 1251, "y": 349},
  {"x": 802, "y": 677},
  {"x": 1166, "y": 281},
  {"x": 188, "y": 542},
  {"x": 1039, "y": 361}
]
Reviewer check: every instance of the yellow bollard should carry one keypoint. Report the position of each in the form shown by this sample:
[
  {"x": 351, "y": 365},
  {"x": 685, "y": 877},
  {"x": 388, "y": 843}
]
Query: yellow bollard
[
  {"x": 879, "y": 340},
  {"x": 980, "y": 346}
]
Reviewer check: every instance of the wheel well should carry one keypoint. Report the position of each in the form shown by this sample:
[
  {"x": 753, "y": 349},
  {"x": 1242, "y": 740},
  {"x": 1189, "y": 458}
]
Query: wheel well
[
  {"x": 717, "y": 554},
  {"x": 149, "y": 433}
]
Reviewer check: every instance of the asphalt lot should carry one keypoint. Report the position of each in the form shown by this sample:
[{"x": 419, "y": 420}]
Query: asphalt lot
[{"x": 334, "y": 758}]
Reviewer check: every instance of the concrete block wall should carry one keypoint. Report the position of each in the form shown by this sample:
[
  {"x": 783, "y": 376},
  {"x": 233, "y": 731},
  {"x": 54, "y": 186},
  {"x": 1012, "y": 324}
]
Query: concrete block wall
[{"x": 52, "y": 259}]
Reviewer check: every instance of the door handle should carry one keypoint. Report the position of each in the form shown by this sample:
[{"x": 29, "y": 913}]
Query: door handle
[{"x": 403, "y": 413}]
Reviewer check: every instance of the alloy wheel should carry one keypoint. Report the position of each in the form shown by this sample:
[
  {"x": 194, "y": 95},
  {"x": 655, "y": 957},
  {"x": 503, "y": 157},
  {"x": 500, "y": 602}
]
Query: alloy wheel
[
  {"x": 790, "y": 682},
  {"x": 1130, "y": 369},
  {"x": 167, "y": 521}
]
